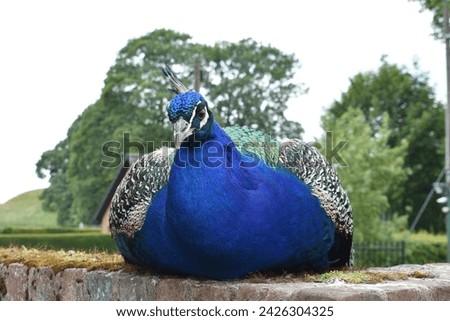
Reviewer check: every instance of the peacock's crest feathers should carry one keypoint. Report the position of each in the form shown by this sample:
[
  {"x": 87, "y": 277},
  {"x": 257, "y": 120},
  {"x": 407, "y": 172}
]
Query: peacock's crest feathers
[
  {"x": 177, "y": 85},
  {"x": 134, "y": 194},
  {"x": 255, "y": 143}
]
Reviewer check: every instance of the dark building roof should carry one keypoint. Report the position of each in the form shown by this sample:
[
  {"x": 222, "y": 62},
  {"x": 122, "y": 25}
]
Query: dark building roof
[{"x": 128, "y": 160}]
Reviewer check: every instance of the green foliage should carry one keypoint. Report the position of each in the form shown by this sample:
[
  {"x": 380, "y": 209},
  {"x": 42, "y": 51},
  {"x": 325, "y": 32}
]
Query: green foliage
[
  {"x": 394, "y": 90},
  {"x": 437, "y": 7},
  {"x": 245, "y": 83},
  {"x": 26, "y": 210},
  {"x": 424, "y": 247},
  {"x": 57, "y": 238},
  {"x": 414, "y": 115},
  {"x": 374, "y": 169},
  {"x": 57, "y": 197},
  {"x": 421, "y": 252},
  {"x": 420, "y": 248},
  {"x": 47, "y": 230},
  {"x": 379, "y": 253},
  {"x": 250, "y": 84}
]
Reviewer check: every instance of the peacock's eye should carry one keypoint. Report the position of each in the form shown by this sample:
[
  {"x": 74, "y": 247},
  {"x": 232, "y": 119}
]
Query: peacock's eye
[{"x": 201, "y": 114}]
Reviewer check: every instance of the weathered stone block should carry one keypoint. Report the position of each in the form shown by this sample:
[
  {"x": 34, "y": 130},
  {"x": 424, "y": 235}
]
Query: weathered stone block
[
  {"x": 3, "y": 291},
  {"x": 41, "y": 284},
  {"x": 173, "y": 290},
  {"x": 102, "y": 285},
  {"x": 338, "y": 292},
  {"x": 16, "y": 281},
  {"x": 440, "y": 291},
  {"x": 261, "y": 292},
  {"x": 212, "y": 291},
  {"x": 362, "y": 294},
  {"x": 72, "y": 285},
  {"x": 440, "y": 270},
  {"x": 135, "y": 287},
  {"x": 406, "y": 295}
]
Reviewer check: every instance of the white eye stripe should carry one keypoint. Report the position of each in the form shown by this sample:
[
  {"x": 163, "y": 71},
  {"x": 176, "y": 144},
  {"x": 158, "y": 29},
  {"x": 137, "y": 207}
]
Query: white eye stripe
[
  {"x": 193, "y": 115},
  {"x": 204, "y": 120}
]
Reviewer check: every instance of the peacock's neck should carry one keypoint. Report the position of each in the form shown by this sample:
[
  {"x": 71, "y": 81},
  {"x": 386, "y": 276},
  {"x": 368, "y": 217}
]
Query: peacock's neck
[
  {"x": 202, "y": 173},
  {"x": 215, "y": 152}
]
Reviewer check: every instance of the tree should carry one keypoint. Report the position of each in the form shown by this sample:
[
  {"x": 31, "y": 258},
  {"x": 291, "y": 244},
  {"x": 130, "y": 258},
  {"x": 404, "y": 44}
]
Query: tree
[
  {"x": 250, "y": 83},
  {"x": 414, "y": 115},
  {"x": 437, "y": 7},
  {"x": 132, "y": 105},
  {"x": 131, "y": 111},
  {"x": 57, "y": 197},
  {"x": 372, "y": 170}
]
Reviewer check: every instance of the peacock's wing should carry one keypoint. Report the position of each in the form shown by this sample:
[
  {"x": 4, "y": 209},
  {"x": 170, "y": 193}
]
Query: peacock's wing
[
  {"x": 307, "y": 163},
  {"x": 134, "y": 194},
  {"x": 304, "y": 161},
  {"x": 252, "y": 142}
]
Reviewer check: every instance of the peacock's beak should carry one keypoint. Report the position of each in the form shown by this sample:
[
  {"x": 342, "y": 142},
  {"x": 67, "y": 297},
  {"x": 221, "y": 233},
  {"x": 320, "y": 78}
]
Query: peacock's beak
[{"x": 181, "y": 130}]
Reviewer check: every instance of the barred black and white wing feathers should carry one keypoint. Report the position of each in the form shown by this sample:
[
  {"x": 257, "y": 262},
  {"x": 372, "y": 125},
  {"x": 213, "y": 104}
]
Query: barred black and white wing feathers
[
  {"x": 307, "y": 163},
  {"x": 134, "y": 194}
]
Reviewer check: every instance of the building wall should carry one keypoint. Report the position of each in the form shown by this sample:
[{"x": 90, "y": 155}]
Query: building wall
[{"x": 105, "y": 221}]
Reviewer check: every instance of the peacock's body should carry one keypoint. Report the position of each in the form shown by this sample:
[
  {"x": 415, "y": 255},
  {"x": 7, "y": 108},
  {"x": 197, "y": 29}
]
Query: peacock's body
[{"x": 227, "y": 202}]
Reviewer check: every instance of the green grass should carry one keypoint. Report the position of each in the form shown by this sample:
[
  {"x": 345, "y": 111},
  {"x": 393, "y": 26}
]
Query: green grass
[
  {"x": 48, "y": 230},
  {"x": 24, "y": 223},
  {"x": 25, "y": 210},
  {"x": 80, "y": 241}
]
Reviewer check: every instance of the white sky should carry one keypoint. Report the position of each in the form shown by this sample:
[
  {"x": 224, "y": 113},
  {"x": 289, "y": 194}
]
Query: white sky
[{"x": 54, "y": 56}]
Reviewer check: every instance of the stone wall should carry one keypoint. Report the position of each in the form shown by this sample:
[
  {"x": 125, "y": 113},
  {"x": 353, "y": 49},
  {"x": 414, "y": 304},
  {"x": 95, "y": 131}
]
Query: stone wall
[{"x": 18, "y": 282}]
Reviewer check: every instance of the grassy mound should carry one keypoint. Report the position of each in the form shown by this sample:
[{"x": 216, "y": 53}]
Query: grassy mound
[{"x": 25, "y": 210}]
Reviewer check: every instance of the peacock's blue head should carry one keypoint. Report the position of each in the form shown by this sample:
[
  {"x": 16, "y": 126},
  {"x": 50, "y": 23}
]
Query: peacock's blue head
[{"x": 190, "y": 116}]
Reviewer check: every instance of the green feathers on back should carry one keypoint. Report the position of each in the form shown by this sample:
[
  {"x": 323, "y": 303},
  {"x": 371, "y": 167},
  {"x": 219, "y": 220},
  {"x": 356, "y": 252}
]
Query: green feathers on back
[{"x": 252, "y": 142}]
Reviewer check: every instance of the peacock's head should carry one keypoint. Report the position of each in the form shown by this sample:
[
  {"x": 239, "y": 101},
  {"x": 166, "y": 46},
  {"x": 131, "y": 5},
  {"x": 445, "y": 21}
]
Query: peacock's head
[
  {"x": 190, "y": 116},
  {"x": 188, "y": 112}
]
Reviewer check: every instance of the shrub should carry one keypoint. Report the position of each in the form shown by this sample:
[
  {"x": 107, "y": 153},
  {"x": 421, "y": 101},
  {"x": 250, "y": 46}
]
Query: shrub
[
  {"x": 418, "y": 248},
  {"x": 94, "y": 241},
  {"x": 424, "y": 247},
  {"x": 46, "y": 230}
]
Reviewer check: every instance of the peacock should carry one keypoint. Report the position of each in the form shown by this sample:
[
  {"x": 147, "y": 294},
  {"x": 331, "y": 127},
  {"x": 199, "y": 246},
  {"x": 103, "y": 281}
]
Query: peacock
[{"x": 228, "y": 202}]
